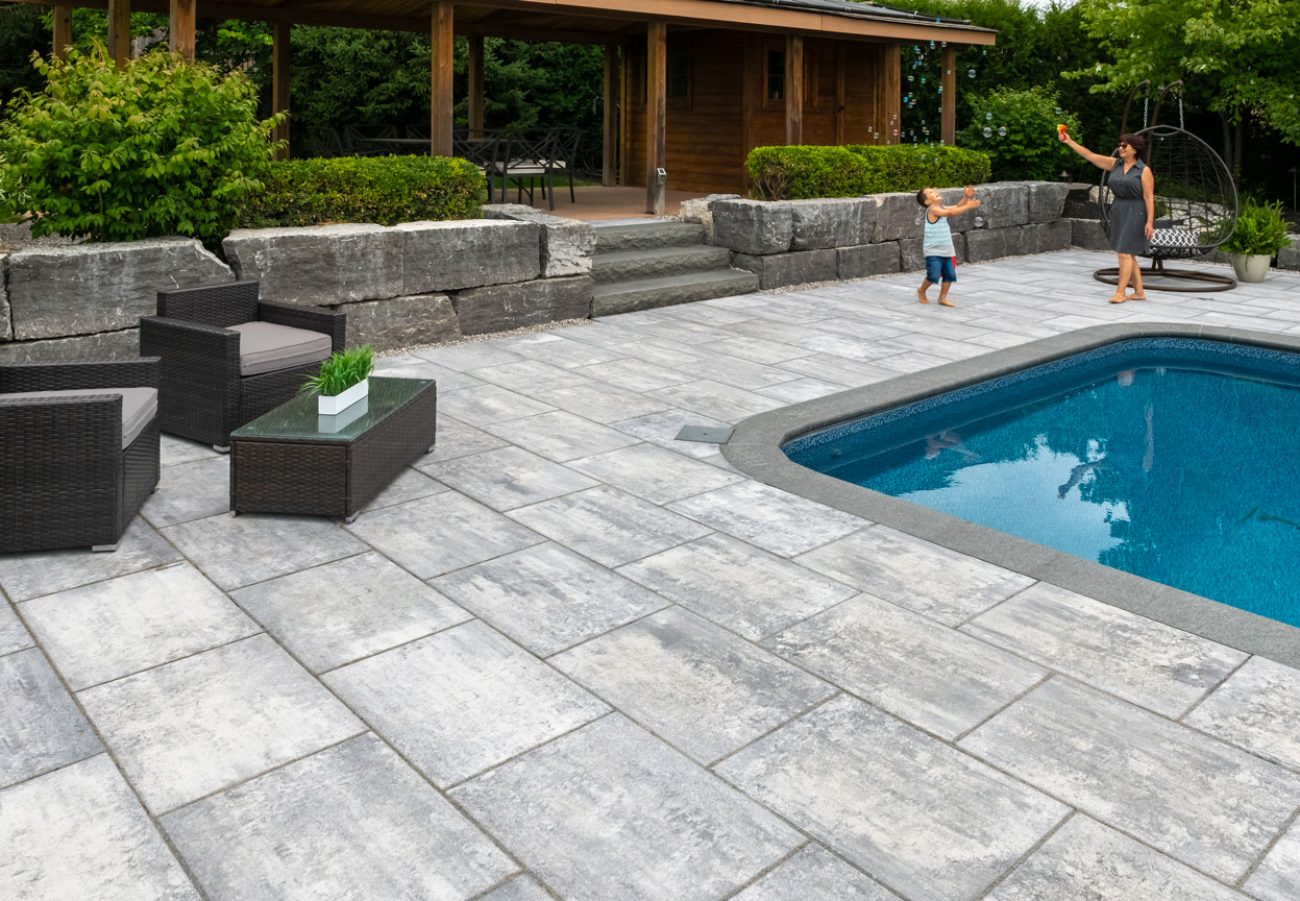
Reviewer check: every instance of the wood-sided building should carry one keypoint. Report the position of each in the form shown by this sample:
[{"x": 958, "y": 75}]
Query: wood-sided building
[{"x": 690, "y": 87}]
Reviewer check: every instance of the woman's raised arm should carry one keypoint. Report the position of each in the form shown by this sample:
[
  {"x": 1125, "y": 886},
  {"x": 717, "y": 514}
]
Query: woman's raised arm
[{"x": 1101, "y": 161}]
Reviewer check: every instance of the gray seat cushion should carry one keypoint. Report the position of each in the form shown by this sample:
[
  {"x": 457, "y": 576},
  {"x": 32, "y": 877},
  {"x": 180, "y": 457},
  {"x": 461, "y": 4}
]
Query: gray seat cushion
[
  {"x": 139, "y": 405},
  {"x": 267, "y": 347}
]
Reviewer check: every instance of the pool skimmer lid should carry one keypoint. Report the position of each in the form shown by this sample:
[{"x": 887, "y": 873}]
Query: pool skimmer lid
[{"x": 709, "y": 434}]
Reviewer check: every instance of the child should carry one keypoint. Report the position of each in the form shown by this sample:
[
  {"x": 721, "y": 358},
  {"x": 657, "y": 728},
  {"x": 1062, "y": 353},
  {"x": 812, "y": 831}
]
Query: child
[{"x": 940, "y": 257}]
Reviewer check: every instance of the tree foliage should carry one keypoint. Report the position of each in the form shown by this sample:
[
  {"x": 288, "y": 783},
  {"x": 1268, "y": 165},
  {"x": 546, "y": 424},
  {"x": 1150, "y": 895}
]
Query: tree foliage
[
  {"x": 1021, "y": 139},
  {"x": 156, "y": 147}
]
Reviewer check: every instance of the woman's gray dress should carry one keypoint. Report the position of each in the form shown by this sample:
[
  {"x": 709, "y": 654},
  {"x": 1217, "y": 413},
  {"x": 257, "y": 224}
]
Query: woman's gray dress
[{"x": 1128, "y": 214}]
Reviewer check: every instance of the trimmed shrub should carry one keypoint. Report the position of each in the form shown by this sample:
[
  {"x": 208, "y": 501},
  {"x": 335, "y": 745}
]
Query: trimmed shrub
[
  {"x": 801, "y": 172},
  {"x": 381, "y": 189},
  {"x": 159, "y": 146},
  {"x": 1030, "y": 148}
]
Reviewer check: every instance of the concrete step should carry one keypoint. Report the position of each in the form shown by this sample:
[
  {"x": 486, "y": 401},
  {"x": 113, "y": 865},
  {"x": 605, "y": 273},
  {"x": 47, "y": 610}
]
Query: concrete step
[
  {"x": 647, "y": 235},
  {"x": 668, "y": 290},
  {"x": 629, "y": 265}
]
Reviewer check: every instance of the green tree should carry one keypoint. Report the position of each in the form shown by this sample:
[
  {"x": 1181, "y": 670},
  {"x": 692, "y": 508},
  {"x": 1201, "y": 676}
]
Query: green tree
[
  {"x": 156, "y": 147},
  {"x": 1017, "y": 129}
]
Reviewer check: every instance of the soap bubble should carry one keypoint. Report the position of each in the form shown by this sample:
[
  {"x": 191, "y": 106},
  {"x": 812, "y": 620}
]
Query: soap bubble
[
  {"x": 970, "y": 73},
  {"x": 932, "y": 45},
  {"x": 1002, "y": 131},
  {"x": 988, "y": 117},
  {"x": 1057, "y": 111},
  {"x": 987, "y": 132},
  {"x": 979, "y": 221},
  {"x": 940, "y": 89},
  {"x": 922, "y": 79}
]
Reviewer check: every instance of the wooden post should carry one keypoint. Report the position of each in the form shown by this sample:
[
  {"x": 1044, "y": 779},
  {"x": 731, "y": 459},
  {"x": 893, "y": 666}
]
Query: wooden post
[
  {"x": 891, "y": 94},
  {"x": 624, "y": 114},
  {"x": 62, "y": 28},
  {"x": 609, "y": 138},
  {"x": 794, "y": 89},
  {"x": 441, "y": 55},
  {"x": 180, "y": 28},
  {"x": 119, "y": 31},
  {"x": 948, "y": 101},
  {"x": 656, "y": 116},
  {"x": 841, "y": 91},
  {"x": 476, "y": 115},
  {"x": 280, "y": 70}
]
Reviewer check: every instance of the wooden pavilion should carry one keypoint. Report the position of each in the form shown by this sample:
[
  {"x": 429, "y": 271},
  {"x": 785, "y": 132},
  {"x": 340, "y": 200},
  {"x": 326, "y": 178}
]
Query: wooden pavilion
[{"x": 690, "y": 86}]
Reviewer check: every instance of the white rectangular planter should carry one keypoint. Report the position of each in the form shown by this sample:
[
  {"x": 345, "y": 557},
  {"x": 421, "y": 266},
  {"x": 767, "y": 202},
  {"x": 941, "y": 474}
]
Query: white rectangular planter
[{"x": 331, "y": 406}]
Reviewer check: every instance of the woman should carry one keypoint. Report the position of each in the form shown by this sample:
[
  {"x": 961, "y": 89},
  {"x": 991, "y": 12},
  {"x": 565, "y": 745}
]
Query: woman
[{"x": 1132, "y": 215}]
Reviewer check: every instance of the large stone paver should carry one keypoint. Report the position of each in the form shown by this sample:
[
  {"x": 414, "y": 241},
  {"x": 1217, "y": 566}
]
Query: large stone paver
[
  {"x": 916, "y": 574},
  {"x": 1258, "y": 709},
  {"x": 351, "y": 822},
  {"x": 548, "y": 598},
  {"x": 78, "y": 834},
  {"x": 1085, "y": 859},
  {"x": 13, "y": 636},
  {"x": 190, "y": 491},
  {"x": 923, "y": 672},
  {"x": 608, "y": 526},
  {"x": 325, "y": 627},
  {"x": 738, "y": 586},
  {"x": 488, "y": 404},
  {"x": 815, "y": 874},
  {"x": 191, "y": 727},
  {"x": 111, "y": 629},
  {"x": 699, "y": 687},
  {"x": 509, "y": 477},
  {"x": 602, "y": 403},
  {"x": 924, "y": 819},
  {"x": 439, "y": 534},
  {"x": 1153, "y": 665},
  {"x": 41, "y": 728},
  {"x": 650, "y": 823},
  {"x": 768, "y": 517},
  {"x": 26, "y": 576},
  {"x": 1191, "y": 796},
  {"x": 561, "y": 436},
  {"x": 654, "y": 473},
  {"x": 456, "y": 439},
  {"x": 1278, "y": 876},
  {"x": 463, "y": 700},
  {"x": 522, "y": 888}
]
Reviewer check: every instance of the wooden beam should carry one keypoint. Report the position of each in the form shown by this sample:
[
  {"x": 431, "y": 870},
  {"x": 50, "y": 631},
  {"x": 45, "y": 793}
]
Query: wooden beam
[
  {"x": 280, "y": 72},
  {"x": 794, "y": 89},
  {"x": 609, "y": 136},
  {"x": 475, "y": 72},
  {"x": 442, "y": 52},
  {"x": 656, "y": 116},
  {"x": 948, "y": 99},
  {"x": 752, "y": 86},
  {"x": 891, "y": 93},
  {"x": 119, "y": 31},
  {"x": 62, "y": 29},
  {"x": 841, "y": 90},
  {"x": 180, "y": 27}
]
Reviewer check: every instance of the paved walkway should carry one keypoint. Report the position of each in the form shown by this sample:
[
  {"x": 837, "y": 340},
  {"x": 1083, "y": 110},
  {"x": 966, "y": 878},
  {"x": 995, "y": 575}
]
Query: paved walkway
[{"x": 567, "y": 656}]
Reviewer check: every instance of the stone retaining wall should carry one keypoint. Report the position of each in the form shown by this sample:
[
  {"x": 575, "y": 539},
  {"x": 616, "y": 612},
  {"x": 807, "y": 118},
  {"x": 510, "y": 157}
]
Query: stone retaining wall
[
  {"x": 799, "y": 241},
  {"x": 414, "y": 283}
]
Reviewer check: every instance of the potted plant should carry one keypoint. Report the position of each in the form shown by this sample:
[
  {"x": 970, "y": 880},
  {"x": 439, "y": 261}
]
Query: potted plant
[
  {"x": 1260, "y": 233},
  {"x": 343, "y": 379}
]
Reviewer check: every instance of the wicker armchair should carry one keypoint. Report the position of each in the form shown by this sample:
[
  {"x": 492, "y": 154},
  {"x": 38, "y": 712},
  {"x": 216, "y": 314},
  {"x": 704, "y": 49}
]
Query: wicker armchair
[
  {"x": 66, "y": 480},
  {"x": 205, "y": 394}
]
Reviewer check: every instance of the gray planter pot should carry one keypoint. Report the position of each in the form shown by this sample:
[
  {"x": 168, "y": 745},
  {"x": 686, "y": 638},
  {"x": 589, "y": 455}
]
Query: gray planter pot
[{"x": 1250, "y": 267}]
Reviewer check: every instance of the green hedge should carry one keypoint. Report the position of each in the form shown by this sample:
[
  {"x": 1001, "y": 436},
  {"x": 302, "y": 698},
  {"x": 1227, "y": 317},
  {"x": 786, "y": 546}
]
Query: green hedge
[
  {"x": 797, "y": 173},
  {"x": 381, "y": 189}
]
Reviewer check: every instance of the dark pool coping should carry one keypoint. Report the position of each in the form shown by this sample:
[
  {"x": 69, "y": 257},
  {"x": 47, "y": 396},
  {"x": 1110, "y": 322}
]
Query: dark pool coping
[{"x": 755, "y": 449}]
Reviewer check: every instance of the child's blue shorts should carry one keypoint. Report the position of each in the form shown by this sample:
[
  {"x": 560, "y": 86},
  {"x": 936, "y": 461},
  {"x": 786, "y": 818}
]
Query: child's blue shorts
[{"x": 940, "y": 267}]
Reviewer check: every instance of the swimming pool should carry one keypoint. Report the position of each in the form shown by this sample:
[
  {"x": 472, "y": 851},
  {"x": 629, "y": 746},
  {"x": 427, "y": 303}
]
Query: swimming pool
[{"x": 1170, "y": 458}]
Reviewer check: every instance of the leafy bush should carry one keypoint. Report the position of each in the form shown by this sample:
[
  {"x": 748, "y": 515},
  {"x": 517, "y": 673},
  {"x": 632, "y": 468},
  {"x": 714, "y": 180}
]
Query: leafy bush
[
  {"x": 795, "y": 173},
  {"x": 1261, "y": 229},
  {"x": 159, "y": 146},
  {"x": 341, "y": 371},
  {"x": 1030, "y": 148},
  {"x": 385, "y": 190}
]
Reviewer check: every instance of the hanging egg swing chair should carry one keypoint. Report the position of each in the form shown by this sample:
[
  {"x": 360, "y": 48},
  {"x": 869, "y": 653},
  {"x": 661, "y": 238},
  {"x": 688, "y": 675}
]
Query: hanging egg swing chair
[{"x": 1195, "y": 201}]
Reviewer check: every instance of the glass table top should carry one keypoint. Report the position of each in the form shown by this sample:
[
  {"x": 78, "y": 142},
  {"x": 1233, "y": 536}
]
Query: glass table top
[{"x": 297, "y": 419}]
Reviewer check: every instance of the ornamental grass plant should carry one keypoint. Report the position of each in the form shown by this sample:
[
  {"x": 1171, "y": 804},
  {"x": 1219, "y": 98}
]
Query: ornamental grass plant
[{"x": 341, "y": 371}]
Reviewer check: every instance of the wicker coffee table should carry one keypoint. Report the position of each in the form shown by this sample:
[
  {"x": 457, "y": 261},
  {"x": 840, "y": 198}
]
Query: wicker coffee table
[{"x": 293, "y": 461}]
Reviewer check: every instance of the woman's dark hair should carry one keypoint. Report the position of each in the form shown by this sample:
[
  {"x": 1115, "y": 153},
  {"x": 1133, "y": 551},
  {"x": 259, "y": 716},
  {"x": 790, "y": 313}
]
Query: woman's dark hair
[{"x": 1138, "y": 143}]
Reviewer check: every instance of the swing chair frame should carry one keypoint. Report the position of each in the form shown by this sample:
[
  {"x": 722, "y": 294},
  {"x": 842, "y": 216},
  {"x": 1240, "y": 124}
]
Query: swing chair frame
[{"x": 1156, "y": 276}]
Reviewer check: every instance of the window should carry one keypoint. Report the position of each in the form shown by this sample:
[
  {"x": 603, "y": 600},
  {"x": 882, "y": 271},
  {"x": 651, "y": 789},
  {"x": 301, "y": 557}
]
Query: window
[
  {"x": 678, "y": 87},
  {"x": 775, "y": 76}
]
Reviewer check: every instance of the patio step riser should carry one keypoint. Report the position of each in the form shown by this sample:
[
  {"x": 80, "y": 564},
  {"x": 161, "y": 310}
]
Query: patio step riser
[
  {"x": 647, "y": 294},
  {"x": 626, "y": 266},
  {"x": 651, "y": 236}
]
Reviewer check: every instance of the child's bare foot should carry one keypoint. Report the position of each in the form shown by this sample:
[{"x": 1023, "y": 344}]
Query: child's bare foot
[
  {"x": 920, "y": 295},
  {"x": 945, "y": 302},
  {"x": 1117, "y": 298}
]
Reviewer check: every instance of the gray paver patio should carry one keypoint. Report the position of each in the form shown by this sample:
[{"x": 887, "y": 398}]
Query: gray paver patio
[
  {"x": 78, "y": 834},
  {"x": 428, "y": 639},
  {"x": 351, "y": 822},
  {"x": 649, "y": 822},
  {"x": 111, "y": 629}
]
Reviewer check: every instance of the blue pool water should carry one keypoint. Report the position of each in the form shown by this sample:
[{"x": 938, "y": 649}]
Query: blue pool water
[{"x": 1172, "y": 459}]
